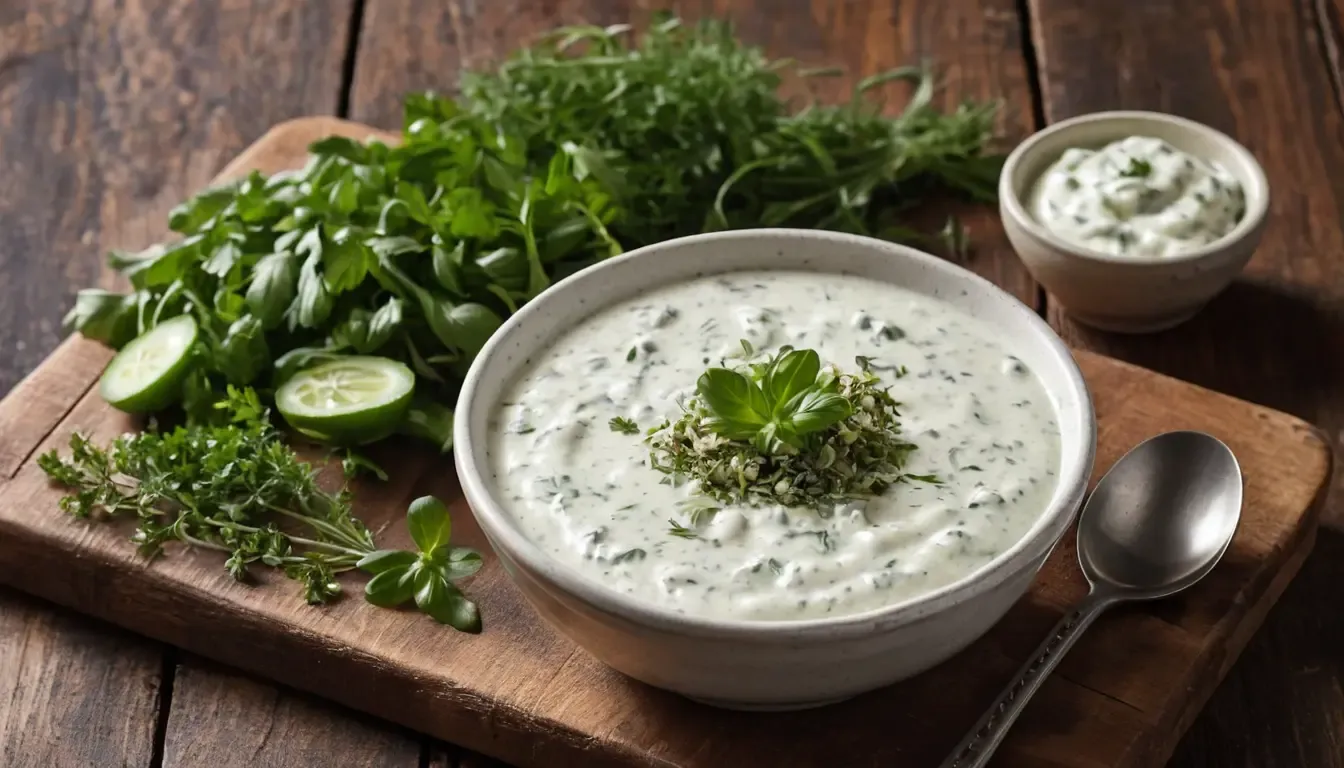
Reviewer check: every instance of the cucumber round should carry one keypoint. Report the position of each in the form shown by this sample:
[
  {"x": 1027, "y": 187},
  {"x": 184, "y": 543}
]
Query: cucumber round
[
  {"x": 349, "y": 401},
  {"x": 146, "y": 375}
]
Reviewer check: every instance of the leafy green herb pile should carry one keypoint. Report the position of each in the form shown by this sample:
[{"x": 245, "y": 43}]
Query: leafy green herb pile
[
  {"x": 232, "y": 487},
  {"x": 783, "y": 431},
  {"x": 585, "y": 144}
]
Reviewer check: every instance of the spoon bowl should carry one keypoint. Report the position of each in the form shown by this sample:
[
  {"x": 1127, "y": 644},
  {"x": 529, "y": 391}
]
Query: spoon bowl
[
  {"x": 1162, "y": 517},
  {"x": 1158, "y": 521}
]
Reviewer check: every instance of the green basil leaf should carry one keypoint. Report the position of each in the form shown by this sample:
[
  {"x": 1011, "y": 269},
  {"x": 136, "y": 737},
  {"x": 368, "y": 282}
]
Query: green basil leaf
[
  {"x": 394, "y": 586},
  {"x": 229, "y": 306},
  {"x": 223, "y": 260},
  {"x": 159, "y": 265},
  {"x": 501, "y": 177},
  {"x": 383, "y": 324},
  {"x": 429, "y": 522},
  {"x": 344, "y": 195},
  {"x": 473, "y": 325},
  {"x": 461, "y": 563},
  {"x": 431, "y": 421},
  {"x": 312, "y": 306},
  {"x": 448, "y": 267},
  {"x": 508, "y": 267},
  {"x": 310, "y": 243},
  {"x": 243, "y": 352},
  {"x": 790, "y": 374},
  {"x": 416, "y": 205},
  {"x": 104, "y": 316},
  {"x": 351, "y": 333},
  {"x": 384, "y": 247},
  {"x": 339, "y": 146},
  {"x": 274, "y": 281},
  {"x": 345, "y": 263},
  {"x": 564, "y": 238},
  {"x": 813, "y": 411},
  {"x": 385, "y": 560},
  {"x": 470, "y": 214},
  {"x": 588, "y": 162},
  {"x": 297, "y": 360},
  {"x": 736, "y": 401},
  {"x": 189, "y": 216},
  {"x": 436, "y": 596}
]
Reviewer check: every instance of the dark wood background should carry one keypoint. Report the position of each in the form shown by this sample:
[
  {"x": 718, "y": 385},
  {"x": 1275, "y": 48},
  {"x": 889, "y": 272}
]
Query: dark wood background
[{"x": 112, "y": 111}]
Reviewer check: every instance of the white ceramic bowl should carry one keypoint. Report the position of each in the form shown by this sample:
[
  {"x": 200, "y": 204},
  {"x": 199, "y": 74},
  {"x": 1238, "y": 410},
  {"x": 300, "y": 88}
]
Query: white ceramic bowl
[
  {"x": 1119, "y": 293},
  {"x": 759, "y": 664}
]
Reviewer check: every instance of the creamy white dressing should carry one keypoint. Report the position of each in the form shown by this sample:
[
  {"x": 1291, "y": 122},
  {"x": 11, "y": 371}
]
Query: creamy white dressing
[
  {"x": 585, "y": 493},
  {"x": 1137, "y": 197}
]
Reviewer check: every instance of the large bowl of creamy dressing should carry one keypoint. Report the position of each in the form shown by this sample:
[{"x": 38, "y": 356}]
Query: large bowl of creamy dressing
[{"x": 766, "y": 606}]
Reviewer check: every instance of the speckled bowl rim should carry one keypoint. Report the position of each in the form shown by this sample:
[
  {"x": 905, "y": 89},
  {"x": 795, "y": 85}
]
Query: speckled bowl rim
[
  {"x": 1256, "y": 188},
  {"x": 1045, "y": 532}
]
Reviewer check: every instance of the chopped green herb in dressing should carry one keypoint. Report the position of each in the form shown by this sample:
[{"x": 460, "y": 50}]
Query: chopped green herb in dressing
[
  {"x": 582, "y": 488},
  {"x": 1137, "y": 197}
]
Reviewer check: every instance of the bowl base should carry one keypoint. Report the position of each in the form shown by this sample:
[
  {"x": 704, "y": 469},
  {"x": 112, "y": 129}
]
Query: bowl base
[
  {"x": 787, "y": 706},
  {"x": 1133, "y": 325}
]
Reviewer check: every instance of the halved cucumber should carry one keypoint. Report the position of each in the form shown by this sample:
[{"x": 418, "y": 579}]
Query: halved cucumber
[
  {"x": 348, "y": 401},
  {"x": 146, "y": 375}
]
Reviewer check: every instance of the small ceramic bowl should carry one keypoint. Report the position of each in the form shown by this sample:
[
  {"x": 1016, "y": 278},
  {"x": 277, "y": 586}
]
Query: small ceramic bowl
[
  {"x": 1120, "y": 293},
  {"x": 768, "y": 664}
]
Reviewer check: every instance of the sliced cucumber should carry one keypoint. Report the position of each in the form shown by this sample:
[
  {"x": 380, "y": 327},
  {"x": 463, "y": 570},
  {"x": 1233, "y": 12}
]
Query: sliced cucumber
[
  {"x": 146, "y": 375},
  {"x": 348, "y": 401}
]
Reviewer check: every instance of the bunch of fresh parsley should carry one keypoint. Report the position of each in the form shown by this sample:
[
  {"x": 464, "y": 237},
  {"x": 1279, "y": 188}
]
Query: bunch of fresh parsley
[
  {"x": 783, "y": 431},
  {"x": 235, "y": 487}
]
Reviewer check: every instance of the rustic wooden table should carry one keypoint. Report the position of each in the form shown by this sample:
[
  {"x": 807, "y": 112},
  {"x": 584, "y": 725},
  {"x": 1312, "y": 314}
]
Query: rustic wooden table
[{"x": 112, "y": 112}]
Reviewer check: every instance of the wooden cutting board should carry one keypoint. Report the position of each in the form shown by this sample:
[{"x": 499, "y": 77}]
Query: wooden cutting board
[{"x": 523, "y": 693}]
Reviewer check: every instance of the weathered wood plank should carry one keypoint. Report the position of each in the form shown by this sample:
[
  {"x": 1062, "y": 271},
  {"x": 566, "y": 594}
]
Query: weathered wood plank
[
  {"x": 1282, "y": 705},
  {"x": 225, "y": 719},
  {"x": 411, "y": 45},
  {"x": 73, "y": 692},
  {"x": 110, "y": 114},
  {"x": 1257, "y": 70}
]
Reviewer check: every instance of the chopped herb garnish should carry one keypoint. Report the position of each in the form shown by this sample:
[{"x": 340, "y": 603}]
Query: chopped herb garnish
[
  {"x": 681, "y": 531},
  {"x": 785, "y": 431},
  {"x": 629, "y": 555},
  {"x": 630, "y": 356},
  {"x": 1138, "y": 168},
  {"x": 623, "y": 425}
]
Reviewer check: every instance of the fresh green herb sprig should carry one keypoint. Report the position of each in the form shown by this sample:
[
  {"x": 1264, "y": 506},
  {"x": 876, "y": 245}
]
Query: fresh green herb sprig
[
  {"x": 688, "y": 123},
  {"x": 236, "y": 488},
  {"x": 784, "y": 431}
]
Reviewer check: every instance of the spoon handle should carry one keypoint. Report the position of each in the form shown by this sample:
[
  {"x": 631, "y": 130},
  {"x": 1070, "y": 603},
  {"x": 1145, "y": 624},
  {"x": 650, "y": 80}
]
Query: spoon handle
[{"x": 975, "y": 750}]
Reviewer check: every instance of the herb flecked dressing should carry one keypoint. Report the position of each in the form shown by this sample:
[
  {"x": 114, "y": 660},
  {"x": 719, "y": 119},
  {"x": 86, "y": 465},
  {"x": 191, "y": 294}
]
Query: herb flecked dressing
[
  {"x": 1138, "y": 197},
  {"x": 584, "y": 491}
]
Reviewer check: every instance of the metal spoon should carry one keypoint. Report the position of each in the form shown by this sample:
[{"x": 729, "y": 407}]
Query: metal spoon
[{"x": 1157, "y": 522}]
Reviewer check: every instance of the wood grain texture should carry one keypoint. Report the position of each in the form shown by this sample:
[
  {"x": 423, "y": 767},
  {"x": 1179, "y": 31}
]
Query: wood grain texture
[
  {"x": 73, "y": 692},
  {"x": 410, "y": 45},
  {"x": 110, "y": 114},
  {"x": 1282, "y": 705},
  {"x": 224, "y": 719},
  {"x": 522, "y": 693},
  {"x": 1257, "y": 70}
]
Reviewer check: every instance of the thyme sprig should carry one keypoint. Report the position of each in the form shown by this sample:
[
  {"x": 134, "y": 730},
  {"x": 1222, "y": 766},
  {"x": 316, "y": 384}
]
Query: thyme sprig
[
  {"x": 783, "y": 431},
  {"x": 237, "y": 488}
]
